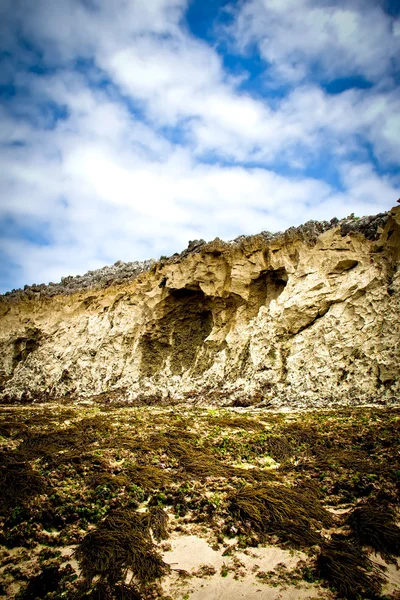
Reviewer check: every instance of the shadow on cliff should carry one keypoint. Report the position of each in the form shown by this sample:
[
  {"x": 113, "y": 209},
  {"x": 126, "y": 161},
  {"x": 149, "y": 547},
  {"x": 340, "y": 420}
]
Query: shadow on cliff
[{"x": 177, "y": 337}]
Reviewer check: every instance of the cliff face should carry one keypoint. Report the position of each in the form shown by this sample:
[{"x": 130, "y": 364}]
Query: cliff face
[{"x": 311, "y": 315}]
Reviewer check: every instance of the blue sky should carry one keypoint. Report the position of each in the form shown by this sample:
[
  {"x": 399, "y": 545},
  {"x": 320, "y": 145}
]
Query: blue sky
[{"x": 130, "y": 127}]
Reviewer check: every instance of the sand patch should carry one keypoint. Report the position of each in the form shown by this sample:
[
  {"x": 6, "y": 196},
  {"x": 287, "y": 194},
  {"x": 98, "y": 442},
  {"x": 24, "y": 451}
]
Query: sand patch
[
  {"x": 68, "y": 554},
  {"x": 189, "y": 552},
  {"x": 392, "y": 573},
  {"x": 234, "y": 575}
]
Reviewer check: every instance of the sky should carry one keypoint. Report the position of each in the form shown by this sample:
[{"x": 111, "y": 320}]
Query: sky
[{"x": 129, "y": 127}]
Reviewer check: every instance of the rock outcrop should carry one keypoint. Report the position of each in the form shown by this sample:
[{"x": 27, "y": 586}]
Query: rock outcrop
[{"x": 302, "y": 317}]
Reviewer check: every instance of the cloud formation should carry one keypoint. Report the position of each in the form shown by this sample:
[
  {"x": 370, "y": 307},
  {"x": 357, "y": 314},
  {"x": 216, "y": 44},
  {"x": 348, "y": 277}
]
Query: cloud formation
[
  {"x": 326, "y": 39},
  {"x": 123, "y": 135}
]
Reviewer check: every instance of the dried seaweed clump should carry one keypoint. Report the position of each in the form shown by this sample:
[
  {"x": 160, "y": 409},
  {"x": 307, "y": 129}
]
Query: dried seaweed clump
[
  {"x": 197, "y": 463},
  {"x": 376, "y": 526},
  {"x": 157, "y": 522},
  {"x": 19, "y": 484},
  {"x": 292, "y": 516},
  {"x": 201, "y": 465},
  {"x": 122, "y": 542},
  {"x": 278, "y": 447},
  {"x": 70, "y": 441},
  {"x": 149, "y": 477},
  {"x": 349, "y": 571}
]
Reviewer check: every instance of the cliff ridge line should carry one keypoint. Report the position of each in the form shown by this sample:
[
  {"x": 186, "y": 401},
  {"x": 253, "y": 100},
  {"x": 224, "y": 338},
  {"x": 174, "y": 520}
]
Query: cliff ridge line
[{"x": 121, "y": 272}]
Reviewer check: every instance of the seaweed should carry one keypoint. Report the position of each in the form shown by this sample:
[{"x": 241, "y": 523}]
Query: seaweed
[
  {"x": 137, "y": 444},
  {"x": 236, "y": 422},
  {"x": 39, "y": 445},
  {"x": 47, "y": 418},
  {"x": 376, "y": 526},
  {"x": 158, "y": 523},
  {"x": 356, "y": 460},
  {"x": 74, "y": 438},
  {"x": 149, "y": 478},
  {"x": 259, "y": 476},
  {"x": 76, "y": 458},
  {"x": 249, "y": 446},
  {"x": 279, "y": 447},
  {"x": 349, "y": 571},
  {"x": 201, "y": 465},
  {"x": 113, "y": 482},
  {"x": 113, "y": 461},
  {"x": 11, "y": 427},
  {"x": 70, "y": 446},
  {"x": 280, "y": 511},
  {"x": 121, "y": 542},
  {"x": 19, "y": 484},
  {"x": 192, "y": 460},
  {"x": 174, "y": 441},
  {"x": 302, "y": 434}
]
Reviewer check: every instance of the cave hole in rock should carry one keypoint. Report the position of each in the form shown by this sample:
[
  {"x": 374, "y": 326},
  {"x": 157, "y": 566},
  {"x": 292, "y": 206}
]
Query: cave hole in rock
[
  {"x": 268, "y": 286},
  {"x": 23, "y": 346},
  {"x": 185, "y": 322}
]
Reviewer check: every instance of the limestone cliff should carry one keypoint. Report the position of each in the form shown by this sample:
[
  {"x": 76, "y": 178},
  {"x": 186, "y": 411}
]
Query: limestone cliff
[{"x": 308, "y": 315}]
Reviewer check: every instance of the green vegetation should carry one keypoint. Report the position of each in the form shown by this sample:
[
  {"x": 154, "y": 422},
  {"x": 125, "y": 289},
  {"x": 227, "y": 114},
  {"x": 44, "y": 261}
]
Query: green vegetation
[{"x": 110, "y": 483}]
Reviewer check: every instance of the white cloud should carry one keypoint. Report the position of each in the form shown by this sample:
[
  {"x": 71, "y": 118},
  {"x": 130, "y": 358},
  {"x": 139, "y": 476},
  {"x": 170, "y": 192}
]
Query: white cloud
[
  {"x": 65, "y": 29},
  {"x": 126, "y": 204},
  {"x": 338, "y": 39},
  {"x": 178, "y": 80},
  {"x": 88, "y": 163}
]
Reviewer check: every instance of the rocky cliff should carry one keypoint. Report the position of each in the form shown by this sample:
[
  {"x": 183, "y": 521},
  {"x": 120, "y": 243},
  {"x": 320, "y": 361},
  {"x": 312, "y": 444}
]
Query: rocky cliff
[{"x": 306, "y": 316}]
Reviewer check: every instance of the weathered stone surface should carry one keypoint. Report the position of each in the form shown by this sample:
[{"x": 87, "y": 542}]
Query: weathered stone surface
[{"x": 306, "y": 316}]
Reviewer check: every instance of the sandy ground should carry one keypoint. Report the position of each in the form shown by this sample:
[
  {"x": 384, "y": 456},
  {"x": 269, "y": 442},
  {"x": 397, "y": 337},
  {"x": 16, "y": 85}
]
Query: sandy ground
[
  {"x": 234, "y": 576},
  {"x": 392, "y": 573}
]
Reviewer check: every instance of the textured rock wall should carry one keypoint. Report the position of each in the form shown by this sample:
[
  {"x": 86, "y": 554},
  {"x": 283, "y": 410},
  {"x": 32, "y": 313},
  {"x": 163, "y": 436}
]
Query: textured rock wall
[{"x": 308, "y": 316}]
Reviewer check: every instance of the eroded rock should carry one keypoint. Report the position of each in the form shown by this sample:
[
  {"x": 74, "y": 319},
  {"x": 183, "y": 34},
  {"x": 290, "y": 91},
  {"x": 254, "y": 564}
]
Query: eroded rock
[{"x": 310, "y": 315}]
